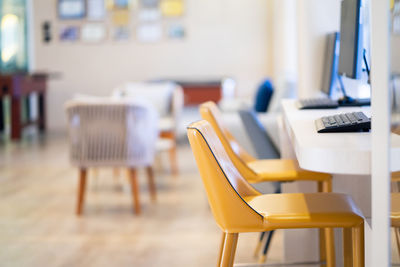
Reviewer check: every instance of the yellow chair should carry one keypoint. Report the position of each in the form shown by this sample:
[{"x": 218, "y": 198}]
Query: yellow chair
[
  {"x": 238, "y": 208},
  {"x": 271, "y": 170},
  {"x": 253, "y": 170}
]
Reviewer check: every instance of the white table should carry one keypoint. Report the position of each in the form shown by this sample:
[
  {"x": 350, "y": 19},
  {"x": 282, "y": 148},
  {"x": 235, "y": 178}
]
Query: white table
[
  {"x": 338, "y": 153},
  {"x": 345, "y": 155}
]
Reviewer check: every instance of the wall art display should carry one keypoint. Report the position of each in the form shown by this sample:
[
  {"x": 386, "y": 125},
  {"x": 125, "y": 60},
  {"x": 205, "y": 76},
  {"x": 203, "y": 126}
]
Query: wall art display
[
  {"x": 121, "y": 3},
  {"x": 121, "y": 34},
  {"x": 150, "y": 3},
  {"x": 71, "y": 9},
  {"x": 396, "y": 18},
  {"x": 96, "y": 9},
  {"x": 118, "y": 4},
  {"x": 149, "y": 33},
  {"x": 69, "y": 33},
  {"x": 121, "y": 17},
  {"x": 172, "y": 8},
  {"x": 176, "y": 31},
  {"x": 147, "y": 14},
  {"x": 93, "y": 33}
]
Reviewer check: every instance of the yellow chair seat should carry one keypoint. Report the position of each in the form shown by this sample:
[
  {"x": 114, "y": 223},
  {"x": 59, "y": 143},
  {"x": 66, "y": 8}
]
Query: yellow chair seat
[
  {"x": 395, "y": 210},
  {"x": 314, "y": 210},
  {"x": 282, "y": 170}
]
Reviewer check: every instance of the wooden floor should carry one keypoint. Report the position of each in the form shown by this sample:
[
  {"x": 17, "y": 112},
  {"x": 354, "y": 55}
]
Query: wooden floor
[{"x": 38, "y": 226}]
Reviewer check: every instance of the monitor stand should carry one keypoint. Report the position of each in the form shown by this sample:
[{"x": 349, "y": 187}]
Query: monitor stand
[{"x": 348, "y": 101}]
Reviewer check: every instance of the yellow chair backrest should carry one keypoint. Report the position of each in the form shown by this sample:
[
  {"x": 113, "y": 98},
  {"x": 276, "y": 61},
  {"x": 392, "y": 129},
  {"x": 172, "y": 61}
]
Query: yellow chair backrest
[
  {"x": 210, "y": 112},
  {"x": 224, "y": 185}
]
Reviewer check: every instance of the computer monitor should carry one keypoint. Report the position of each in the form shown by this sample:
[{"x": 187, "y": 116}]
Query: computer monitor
[
  {"x": 351, "y": 39},
  {"x": 352, "y": 52},
  {"x": 331, "y": 62}
]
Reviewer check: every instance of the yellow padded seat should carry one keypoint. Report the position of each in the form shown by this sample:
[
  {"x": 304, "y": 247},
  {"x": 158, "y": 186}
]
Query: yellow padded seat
[
  {"x": 282, "y": 170},
  {"x": 311, "y": 210},
  {"x": 395, "y": 210}
]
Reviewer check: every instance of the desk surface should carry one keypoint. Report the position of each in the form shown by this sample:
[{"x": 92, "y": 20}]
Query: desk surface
[{"x": 336, "y": 153}]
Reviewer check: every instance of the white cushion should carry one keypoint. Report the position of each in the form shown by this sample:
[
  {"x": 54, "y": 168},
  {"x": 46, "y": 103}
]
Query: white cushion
[{"x": 158, "y": 94}]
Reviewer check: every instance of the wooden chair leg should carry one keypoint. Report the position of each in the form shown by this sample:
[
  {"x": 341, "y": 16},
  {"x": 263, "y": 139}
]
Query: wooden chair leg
[
  {"x": 266, "y": 248},
  {"x": 172, "y": 151},
  {"x": 228, "y": 255},
  {"x": 322, "y": 247},
  {"x": 173, "y": 159},
  {"x": 358, "y": 246},
  {"x": 330, "y": 247},
  {"x": 397, "y": 234},
  {"x": 347, "y": 247},
  {"x": 326, "y": 236},
  {"x": 135, "y": 191},
  {"x": 259, "y": 244},
  {"x": 221, "y": 249},
  {"x": 81, "y": 190},
  {"x": 322, "y": 240},
  {"x": 327, "y": 186},
  {"x": 152, "y": 185}
]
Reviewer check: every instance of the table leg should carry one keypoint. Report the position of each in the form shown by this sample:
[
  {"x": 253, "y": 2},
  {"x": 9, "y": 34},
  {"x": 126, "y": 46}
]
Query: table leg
[
  {"x": 15, "y": 118},
  {"x": 42, "y": 111},
  {"x": 2, "y": 125}
]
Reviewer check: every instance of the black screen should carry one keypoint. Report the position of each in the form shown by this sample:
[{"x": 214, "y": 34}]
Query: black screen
[
  {"x": 331, "y": 61},
  {"x": 350, "y": 39}
]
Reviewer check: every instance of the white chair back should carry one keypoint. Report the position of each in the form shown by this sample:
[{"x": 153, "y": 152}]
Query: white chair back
[{"x": 111, "y": 133}]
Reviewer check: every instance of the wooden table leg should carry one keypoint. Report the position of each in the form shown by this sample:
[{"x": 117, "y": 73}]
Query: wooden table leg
[
  {"x": 15, "y": 118},
  {"x": 42, "y": 111},
  {"x": 2, "y": 124}
]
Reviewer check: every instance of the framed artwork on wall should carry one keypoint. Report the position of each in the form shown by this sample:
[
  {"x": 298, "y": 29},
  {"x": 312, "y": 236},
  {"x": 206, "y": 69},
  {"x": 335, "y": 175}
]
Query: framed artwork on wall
[
  {"x": 71, "y": 9},
  {"x": 96, "y": 10},
  {"x": 172, "y": 8},
  {"x": 176, "y": 31},
  {"x": 93, "y": 33},
  {"x": 69, "y": 33},
  {"x": 118, "y": 4},
  {"x": 121, "y": 34}
]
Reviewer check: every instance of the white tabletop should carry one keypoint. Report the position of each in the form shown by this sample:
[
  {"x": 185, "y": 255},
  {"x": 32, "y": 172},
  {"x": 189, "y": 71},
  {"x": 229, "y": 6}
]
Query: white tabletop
[{"x": 336, "y": 153}]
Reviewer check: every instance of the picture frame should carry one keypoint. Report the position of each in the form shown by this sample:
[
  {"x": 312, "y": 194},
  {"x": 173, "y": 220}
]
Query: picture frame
[
  {"x": 69, "y": 33},
  {"x": 93, "y": 33},
  {"x": 71, "y": 9}
]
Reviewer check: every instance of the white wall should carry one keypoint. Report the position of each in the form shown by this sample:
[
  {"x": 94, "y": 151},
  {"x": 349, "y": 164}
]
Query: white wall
[
  {"x": 316, "y": 18},
  {"x": 224, "y": 37},
  {"x": 285, "y": 49}
]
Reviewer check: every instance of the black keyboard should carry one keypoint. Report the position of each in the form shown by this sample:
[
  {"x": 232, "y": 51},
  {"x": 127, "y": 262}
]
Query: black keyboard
[
  {"x": 317, "y": 103},
  {"x": 346, "y": 122}
]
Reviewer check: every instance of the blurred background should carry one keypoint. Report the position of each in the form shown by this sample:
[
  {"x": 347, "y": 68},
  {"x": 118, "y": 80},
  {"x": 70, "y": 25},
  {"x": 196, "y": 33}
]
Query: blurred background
[{"x": 166, "y": 56}]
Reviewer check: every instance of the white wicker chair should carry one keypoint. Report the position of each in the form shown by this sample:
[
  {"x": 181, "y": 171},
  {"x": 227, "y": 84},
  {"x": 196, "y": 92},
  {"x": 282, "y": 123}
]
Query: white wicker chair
[
  {"x": 167, "y": 98},
  {"x": 109, "y": 133}
]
